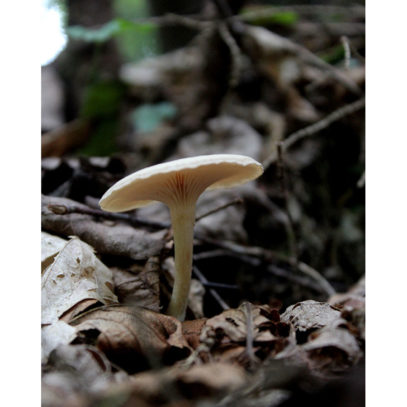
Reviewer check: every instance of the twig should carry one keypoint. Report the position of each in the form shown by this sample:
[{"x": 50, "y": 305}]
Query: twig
[
  {"x": 245, "y": 253},
  {"x": 212, "y": 291},
  {"x": 316, "y": 127},
  {"x": 249, "y": 336},
  {"x": 346, "y": 48},
  {"x": 268, "y": 11},
  {"x": 288, "y": 275},
  {"x": 212, "y": 284},
  {"x": 64, "y": 209},
  {"x": 290, "y": 224},
  {"x": 236, "y": 201},
  {"x": 323, "y": 282},
  {"x": 235, "y": 53},
  {"x": 192, "y": 21}
]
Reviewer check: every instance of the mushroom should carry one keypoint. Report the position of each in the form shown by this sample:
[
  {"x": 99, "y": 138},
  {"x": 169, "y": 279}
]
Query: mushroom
[{"x": 178, "y": 184}]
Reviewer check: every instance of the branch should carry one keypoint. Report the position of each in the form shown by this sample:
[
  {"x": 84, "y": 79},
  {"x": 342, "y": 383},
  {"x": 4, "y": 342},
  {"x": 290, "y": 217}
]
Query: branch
[{"x": 315, "y": 128}]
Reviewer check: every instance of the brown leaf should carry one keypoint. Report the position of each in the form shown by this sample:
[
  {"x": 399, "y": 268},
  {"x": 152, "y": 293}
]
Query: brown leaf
[
  {"x": 192, "y": 331},
  {"x": 232, "y": 323},
  {"x": 107, "y": 237},
  {"x": 139, "y": 285},
  {"x": 228, "y": 338},
  {"x": 134, "y": 338}
]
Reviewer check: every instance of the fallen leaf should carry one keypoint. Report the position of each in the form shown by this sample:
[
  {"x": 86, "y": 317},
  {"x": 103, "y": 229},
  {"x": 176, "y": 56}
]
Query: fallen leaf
[
  {"x": 191, "y": 330},
  {"x": 75, "y": 275},
  {"x": 54, "y": 335},
  {"x": 139, "y": 285},
  {"x": 50, "y": 247},
  {"x": 228, "y": 338},
  {"x": 133, "y": 338},
  {"x": 332, "y": 348},
  {"x": 307, "y": 316}
]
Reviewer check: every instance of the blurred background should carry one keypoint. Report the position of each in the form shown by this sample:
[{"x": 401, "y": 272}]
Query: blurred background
[{"x": 139, "y": 82}]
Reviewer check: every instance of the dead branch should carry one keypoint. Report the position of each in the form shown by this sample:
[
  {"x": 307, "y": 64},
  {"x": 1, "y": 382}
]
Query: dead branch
[
  {"x": 292, "y": 240},
  {"x": 316, "y": 127},
  {"x": 212, "y": 291},
  {"x": 235, "y": 53},
  {"x": 236, "y": 201}
]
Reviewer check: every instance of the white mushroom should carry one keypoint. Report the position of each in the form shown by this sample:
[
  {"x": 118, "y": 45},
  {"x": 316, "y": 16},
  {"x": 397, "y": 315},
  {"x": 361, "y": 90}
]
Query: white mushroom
[{"x": 178, "y": 184}]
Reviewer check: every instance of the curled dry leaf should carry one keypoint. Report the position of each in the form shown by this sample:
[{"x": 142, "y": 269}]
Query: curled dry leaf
[
  {"x": 107, "y": 237},
  {"x": 133, "y": 338},
  {"x": 139, "y": 285},
  {"x": 75, "y": 275},
  {"x": 325, "y": 341},
  {"x": 332, "y": 348},
  {"x": 306, "y": 316},
  {"x": 352, "y": 306}
]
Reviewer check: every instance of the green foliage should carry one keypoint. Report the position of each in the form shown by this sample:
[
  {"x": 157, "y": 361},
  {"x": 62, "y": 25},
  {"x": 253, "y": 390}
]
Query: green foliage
[
  {"x": 148, "y": 117},
  {"x": 108, "y": 30},
  {"x": 101, "y": 106},
  {"x": 136, "y": 45},
  {"x": 269, "y": 16},
  {"x": 102, "y": 99}
]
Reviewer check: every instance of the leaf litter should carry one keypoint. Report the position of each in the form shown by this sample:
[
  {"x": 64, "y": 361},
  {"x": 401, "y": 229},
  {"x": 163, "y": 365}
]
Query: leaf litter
[{"x": 105, "y": 339}]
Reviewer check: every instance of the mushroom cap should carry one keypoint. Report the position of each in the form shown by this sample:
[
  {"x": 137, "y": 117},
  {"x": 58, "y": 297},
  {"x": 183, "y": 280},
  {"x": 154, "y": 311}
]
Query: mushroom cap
[{"x": 158, "y": 182}]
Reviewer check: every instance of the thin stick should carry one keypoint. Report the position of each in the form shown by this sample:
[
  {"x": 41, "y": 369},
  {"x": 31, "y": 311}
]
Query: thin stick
[
  {"x": 235, "y": 54},
  {"x": 236, "y": 201},
  {"x": 213, "y": 292},
  {"x": 249, "y": 335},
  {"x": 212, "y": 284},
  {"x": 290, "y": 224},
  {"x": 316, "y": 127},
  {"x": 64, "y": 209},
  {"x": 323, "y": 282},
  {"x": 346, "y": 48},
  {"x": 127, "y": 217}
]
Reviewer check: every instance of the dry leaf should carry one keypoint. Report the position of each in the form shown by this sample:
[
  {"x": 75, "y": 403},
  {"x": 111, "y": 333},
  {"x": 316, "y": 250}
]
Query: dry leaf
[
  {"x": 228, "y": 339},
  {"x": 307, "y": 316},
  {"x": 133, "y": 338},
  {"x": 75, "y": 275},
  {"x": 232, "y": 323},
  {"x": 50, "y": 247},
  {"x": 54, "y": 335},
  {"x": 139, "y": 285},
  {"x": 332, "y": 348}
]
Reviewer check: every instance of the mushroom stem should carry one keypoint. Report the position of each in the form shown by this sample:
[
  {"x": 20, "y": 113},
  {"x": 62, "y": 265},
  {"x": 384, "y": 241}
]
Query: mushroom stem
[{"x": 182, "y": 218}]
